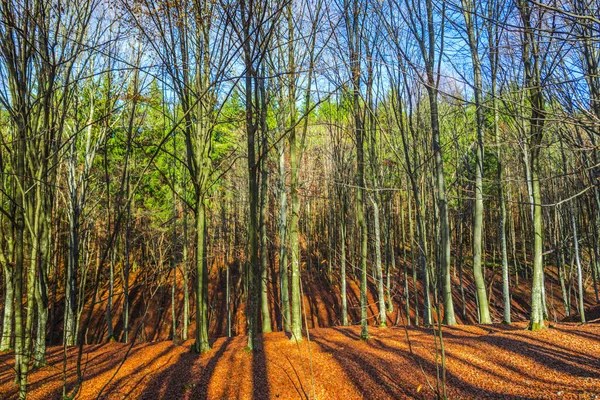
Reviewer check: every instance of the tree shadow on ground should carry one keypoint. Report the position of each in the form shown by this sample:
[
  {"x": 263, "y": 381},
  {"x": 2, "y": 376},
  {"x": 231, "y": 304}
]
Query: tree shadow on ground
[
  {"x": 260, "y": 387},
  {"x": 580, "y": 333},
  {"x": 180, "y": 379},
  {"x": 399, "y": 374},
  {"x": 560, "y": 359},
  {"x": 382, "y": 367}
]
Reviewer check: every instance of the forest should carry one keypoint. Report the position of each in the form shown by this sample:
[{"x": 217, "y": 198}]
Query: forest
[{"x": 307, "y": 199}]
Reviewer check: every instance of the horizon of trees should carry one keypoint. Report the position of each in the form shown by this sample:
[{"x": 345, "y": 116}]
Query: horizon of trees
[{"x": 227, "y": 150}]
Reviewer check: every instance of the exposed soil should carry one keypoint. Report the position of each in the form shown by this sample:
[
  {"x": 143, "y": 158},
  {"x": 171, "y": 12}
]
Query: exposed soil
[{"x": 493, "y": 361}]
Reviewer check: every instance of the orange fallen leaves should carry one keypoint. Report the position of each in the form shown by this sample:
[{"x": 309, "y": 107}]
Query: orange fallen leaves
[{"x": 491, "y": 361}]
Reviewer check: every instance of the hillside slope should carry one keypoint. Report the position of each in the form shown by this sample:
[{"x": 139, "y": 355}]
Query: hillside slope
[{"x": 151, "y": 310}]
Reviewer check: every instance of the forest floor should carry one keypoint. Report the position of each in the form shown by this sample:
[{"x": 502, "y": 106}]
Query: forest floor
[{"x": 492, "y": 361}]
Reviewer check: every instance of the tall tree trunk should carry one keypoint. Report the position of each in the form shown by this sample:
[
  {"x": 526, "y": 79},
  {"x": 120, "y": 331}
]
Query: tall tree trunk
[
  {"x": 537, "y": 311},
  {"x": 253, "y": 272},
  {"x": 364, "y": 333},
  {"x": 111, "y": 293},
  {"x": 354, "y": 42},
  {"x": 199, "y": 152},
  {"x": 503, "y": 214},
  {"x": 295, "y": 161},
  {"x": 449, "y": 317},
  {"x": 578, "y": 262},
  {"x": 378, "y": 268},
  {"x": 186, "y": 291},
  {"x": 21, "y": 365},
  {"x": 125, "y": 269},
  {"x": 559, "y": 255},
  {"x": 532, "y": 67},
  {"x": 71, "y": 277},
  {"x": 428, "y": 52},
  {"x": 264, "y": 284},
  {"x": 173, "y": 255},
  {"x": 469, "y": 13},
  {"x": 282, "y": 228},
  {"x": 296, "y": 307},
  {"x": 228, "y": 254},
  {"x": 390, "y": 260},
  {"x": 343, "y": 212},
  {"x": 9, "y": 292},
  {"x": 41, "y": 291},
  {"x": 459, "y": 234},
  {"x": 404, "y": 257},
  {"x": 202, "y": 344}
]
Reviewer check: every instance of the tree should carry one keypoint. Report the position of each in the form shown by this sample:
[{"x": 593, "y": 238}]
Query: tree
[
  {"x": 470, "y": 14},
  {"x": 533, "y": 58}
]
